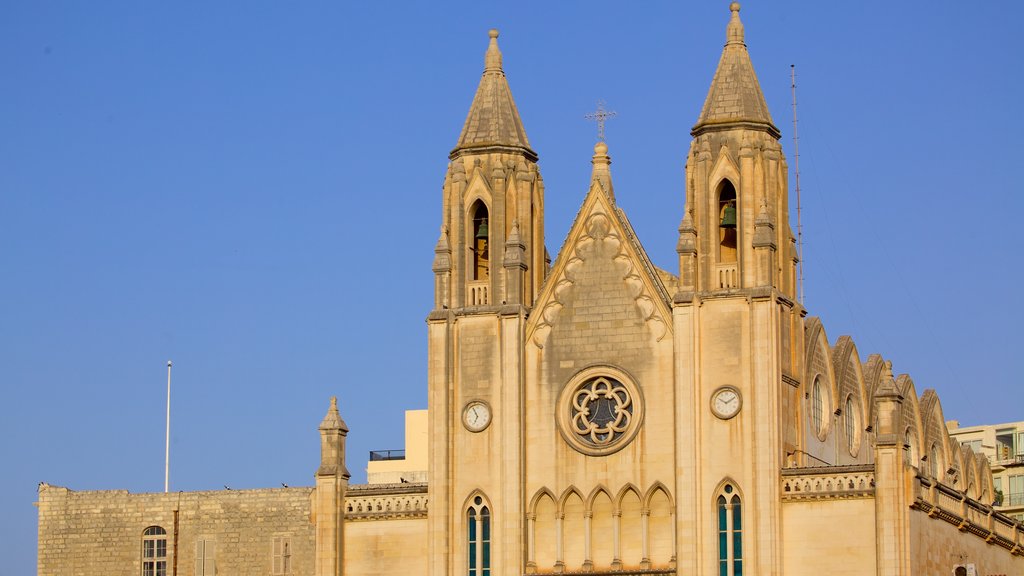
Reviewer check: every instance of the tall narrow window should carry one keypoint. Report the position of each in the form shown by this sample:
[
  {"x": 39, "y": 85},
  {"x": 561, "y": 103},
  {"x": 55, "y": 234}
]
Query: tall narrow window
[
  {"x": 154, "y": 551},
  {"x": 480, "y": 242},
  {"x": 728, "y": 220},
  {"x": 206, "y": 551},
  {"x": 730, "y": 533},
  {"x": 478, "y": 524},
  {"x": 818, "y": 408},
  {"x": 282, "y": 552},
  {"x": 851, "y": 426}
]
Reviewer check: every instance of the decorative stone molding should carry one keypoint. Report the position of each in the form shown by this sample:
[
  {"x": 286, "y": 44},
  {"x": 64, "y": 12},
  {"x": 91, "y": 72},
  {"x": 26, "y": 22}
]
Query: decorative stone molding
[
  {"x": 598, "y": 229},
  {"x": 385, "y": 502},
  {"x": 828, "y": 483},
  {"x": 968, "y": 515}
]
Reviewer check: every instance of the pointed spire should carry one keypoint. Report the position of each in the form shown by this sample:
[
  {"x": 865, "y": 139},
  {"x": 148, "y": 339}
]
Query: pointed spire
[
  {"x": 333, "y": 421},
  {"x": 735, "y": 96},
  {"x": 493, "y": 120},
  {"x": 602, "y": 173}
]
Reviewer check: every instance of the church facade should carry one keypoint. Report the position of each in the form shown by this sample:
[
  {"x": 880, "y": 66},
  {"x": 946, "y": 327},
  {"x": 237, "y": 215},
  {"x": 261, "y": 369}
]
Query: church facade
[{"x": 596, "y": 414}]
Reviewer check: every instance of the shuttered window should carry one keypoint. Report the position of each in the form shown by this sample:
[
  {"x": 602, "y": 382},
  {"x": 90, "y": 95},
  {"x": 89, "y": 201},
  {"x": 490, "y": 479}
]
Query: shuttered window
[
  {"x": 282, "y": 552},
  {"x": 206, "y": 552}
]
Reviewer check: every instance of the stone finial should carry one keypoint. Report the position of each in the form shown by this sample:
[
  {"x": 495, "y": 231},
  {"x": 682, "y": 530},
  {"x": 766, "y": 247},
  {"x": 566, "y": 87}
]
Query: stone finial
[
  {"x": 513, "y": 235},
  {"x": 333, "y": 421},
  {"x": 492, "y": 60},
  {"x": 602, "y": 171},
  {"x": 687, "y": 233},
  {"x": 442, "y": 253},
  {"x": 734, "y": 32}
]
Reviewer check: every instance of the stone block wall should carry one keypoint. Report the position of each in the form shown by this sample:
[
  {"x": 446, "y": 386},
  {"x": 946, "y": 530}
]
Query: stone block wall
[{"x": 100, "y": 532}]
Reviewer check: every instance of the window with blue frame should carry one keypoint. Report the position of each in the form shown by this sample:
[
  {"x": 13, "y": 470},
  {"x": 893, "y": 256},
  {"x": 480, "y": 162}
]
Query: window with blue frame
[
  {"x": 478, "y": 527},
  {"x": 730, "y": 532}
]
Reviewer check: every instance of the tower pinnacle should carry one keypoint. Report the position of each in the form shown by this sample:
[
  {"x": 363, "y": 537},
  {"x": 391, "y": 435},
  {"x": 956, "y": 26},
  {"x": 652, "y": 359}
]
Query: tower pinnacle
[
  {"x": 493, "y": 120},
  {"x": 735, "y": 97}
]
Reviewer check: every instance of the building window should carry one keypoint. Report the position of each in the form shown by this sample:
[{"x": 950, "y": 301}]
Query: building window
[
  {"x": 730, "y": 533},
  {"x": 154, "y": 551},
  {"x": 908, "y": 447},
  {"x": 282, "y": 552},
  {"x": 933, "y": 466},
  {"x": 478, "y": 523},
  {"x": 1014, "y": 495},
  {"x": 818, "y": 408},
  {"x": 205, "y": 552},
  {"x": 851, "y": 426}
]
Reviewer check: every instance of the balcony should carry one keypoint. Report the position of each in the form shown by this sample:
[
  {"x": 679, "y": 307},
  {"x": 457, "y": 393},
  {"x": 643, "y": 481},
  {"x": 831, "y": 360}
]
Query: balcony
[
  {"x": 385, "y": 455},
  {"x": 727, "y": 275},
  {"x": 479, "y": 293}
]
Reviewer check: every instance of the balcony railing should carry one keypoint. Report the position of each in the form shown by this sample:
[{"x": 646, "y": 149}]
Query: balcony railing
[
  {"x": 384, "y": 455},
  {"x": 478, "y": 293},
  {"x": 1013, "y": 499},
  {"x": 728, "y": 275}
]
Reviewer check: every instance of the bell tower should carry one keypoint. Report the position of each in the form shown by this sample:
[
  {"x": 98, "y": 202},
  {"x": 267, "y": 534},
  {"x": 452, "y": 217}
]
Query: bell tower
[
  {"x": 489, "y": 263},
  {"x": 735, "y": 232},
  {"x": 491, "y": 249},
  {"x": 737, "y": 324}
]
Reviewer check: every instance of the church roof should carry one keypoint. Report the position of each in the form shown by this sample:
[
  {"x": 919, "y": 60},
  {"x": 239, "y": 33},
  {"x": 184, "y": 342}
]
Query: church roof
[
  {"x": 493, "y": 119},
  {"x": 735, "y": 95}
]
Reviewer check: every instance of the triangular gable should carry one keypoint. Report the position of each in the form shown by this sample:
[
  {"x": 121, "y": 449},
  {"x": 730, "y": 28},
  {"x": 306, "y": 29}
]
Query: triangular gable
[{"x": 601, "y": 230}]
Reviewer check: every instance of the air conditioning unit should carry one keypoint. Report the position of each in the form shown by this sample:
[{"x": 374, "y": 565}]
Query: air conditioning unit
[{"x": 965, "y": 570}]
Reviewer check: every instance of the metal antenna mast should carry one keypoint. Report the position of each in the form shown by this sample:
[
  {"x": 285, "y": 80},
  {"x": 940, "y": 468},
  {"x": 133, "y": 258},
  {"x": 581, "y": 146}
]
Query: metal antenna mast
[
  {"x": 600, "y": 115},
  {"x": 167, "y": 446},
  {"x": 796, "y": 170}
]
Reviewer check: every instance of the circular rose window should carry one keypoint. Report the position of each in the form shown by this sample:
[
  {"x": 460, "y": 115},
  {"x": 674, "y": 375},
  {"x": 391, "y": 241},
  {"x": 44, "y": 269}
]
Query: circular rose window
[{"x": 599, "y": 411}]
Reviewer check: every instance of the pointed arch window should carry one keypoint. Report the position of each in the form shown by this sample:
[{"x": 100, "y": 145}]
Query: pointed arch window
[
  {"x": 730, "y": 532},
  {"x": 478, "y": 528},
  {"x": 480, "y": 241},
  {"x": 154, "y": 551},
  {"x": 850, "y": 419},
  {"x": 728, "y": 221}
]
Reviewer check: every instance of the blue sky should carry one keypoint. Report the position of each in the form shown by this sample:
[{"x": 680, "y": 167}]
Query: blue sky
[{"x": 252, "y": 189}]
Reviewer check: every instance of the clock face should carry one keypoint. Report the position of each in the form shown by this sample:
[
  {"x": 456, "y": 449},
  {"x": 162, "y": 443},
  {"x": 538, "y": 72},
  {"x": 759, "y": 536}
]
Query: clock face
[
  {"x": 725, "y": 402},
  {"x": 476, "y": 416}
]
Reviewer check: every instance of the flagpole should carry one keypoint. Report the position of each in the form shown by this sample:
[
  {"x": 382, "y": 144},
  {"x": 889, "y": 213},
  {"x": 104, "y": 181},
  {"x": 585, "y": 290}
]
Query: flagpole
[{"x": 167, "y": 445}]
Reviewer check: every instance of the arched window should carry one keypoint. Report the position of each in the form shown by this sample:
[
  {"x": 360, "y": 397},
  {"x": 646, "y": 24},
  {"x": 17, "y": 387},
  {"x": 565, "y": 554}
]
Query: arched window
[
  {"x": 851, "y": 426},
  {"x": 934, "y": 466},
  {"x": 478, "y": 527},
  {"x": 908, "y": 446},
  {"x": 730, "y": 532},
  {"x": 728, "y": 221},
  {"x": 480, "y": 241},
  {"x": 818, "y": 407},
  {"x": 154, "y": 551}
]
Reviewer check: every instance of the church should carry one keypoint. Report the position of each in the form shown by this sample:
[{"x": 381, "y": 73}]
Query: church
[{"x": 591, "y": 413}]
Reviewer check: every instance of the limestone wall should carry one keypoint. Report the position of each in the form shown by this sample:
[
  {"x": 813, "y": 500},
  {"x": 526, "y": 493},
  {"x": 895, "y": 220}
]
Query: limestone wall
[
  {"x": 834, "y": 537},
  {"x": 386, "y": 547},
  {"x": 100, "y": 532}
]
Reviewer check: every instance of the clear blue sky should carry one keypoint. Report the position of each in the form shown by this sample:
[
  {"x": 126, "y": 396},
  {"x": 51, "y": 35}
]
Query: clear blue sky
[{"x": 253, "y": 190}]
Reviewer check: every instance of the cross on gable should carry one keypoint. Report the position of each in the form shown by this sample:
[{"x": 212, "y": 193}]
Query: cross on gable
[{"x": 599, "y": 116}]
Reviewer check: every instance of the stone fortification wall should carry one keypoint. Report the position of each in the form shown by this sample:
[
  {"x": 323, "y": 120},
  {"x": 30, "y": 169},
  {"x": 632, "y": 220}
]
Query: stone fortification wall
[{"x": 241, "y": 531}]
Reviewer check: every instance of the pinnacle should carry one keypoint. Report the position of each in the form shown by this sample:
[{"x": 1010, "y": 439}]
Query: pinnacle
[
  {"x": 333, "y": 421},
  {"x": 493, "y": 120},
  {"x": 735, "y": 96}
]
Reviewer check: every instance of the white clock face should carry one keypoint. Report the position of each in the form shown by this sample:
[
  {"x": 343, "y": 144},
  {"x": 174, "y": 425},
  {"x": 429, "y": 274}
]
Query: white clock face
[
  {"x": 476, "y": 416},
  {"x": 725, "y": 402}
]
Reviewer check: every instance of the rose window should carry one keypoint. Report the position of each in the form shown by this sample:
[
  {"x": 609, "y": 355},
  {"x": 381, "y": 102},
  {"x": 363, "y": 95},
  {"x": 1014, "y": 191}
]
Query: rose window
[{"x": 601, "y": 411}]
